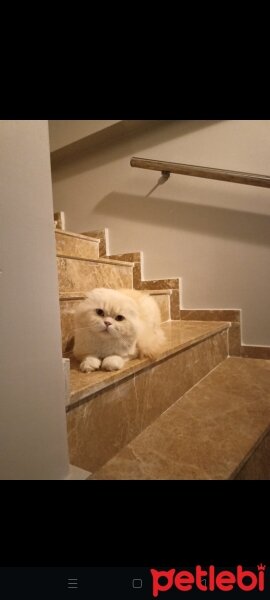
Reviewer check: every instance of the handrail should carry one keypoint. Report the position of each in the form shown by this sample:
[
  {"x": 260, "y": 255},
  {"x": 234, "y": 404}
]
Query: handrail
[{"x": 205, "y": 172}]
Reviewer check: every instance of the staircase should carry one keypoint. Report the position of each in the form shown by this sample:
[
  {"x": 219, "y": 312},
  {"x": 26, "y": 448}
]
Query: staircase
[{"x": 194, "y": 413}]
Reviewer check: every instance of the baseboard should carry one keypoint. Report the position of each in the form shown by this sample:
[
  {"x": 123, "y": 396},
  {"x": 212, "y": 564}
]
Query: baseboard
[{"x": 255, "y": 352}]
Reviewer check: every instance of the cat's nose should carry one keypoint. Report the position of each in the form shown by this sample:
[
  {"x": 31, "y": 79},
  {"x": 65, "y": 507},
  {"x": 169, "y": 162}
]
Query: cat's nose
[{"x": 107, "y": 323}]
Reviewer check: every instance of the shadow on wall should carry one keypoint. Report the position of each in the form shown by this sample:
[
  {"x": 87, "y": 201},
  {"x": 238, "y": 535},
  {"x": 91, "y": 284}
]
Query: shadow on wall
[
  {"x": 208, "y": 220},
  {"x": 102, "y": 148}
]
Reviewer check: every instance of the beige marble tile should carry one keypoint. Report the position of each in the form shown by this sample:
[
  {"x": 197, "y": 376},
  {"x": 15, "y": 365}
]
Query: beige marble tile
[
  {"x": 99, "y": 428},
  {"x": 206, "y": 434},
  {"x": 211, "y": 315},
  {"x": 137, "y": 275},
  {"x": 166, "y": 292},
  {"x": 101, "y": 235},
  {"x": 76, "y": 246},
  {"x": 163, "y": 302},
  {"x": 80, "y": 275},
  {"x": 67, "y": 308},
  {"x": 127, "y": 256},
  {"x": 232, "y": 316},
  {"x": 59, "y": 220},
  {"x": 67, "y": 296},
  {"x": 160, "y": 284},
  {"x": 136, "y": 258},
  {"x": 171, "y": 284},
  {"x": 257, "y": 465},
  {"x": 255, "y": 352},
  {"x": 235, "y": 339},
  {"x": 175, "y": 305},
  {"x": 179, "y": 336}
]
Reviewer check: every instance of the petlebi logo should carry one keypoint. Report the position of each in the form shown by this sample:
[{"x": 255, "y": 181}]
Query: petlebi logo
[{"x": 208, "y": 580}]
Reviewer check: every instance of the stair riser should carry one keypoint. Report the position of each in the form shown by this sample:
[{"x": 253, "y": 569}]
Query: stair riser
[
  {"x": 82, "y": 276},
  {"x": 157, "y": 284},
  {"x": 163, "y": 303},
  {"x": 232, "y": 316},
  {"x": 104, "y": 424},
  {"x": 76, "y": 247},
  {"x": 67, "y": 308},
  {"x": 258, "y": 464},
  {"x": 101, "y": 235},
  {"x": 218, "y": 430}
]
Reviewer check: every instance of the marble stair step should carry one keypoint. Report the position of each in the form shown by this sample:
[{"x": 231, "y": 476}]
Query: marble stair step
[
  {"x": 162, "y": 298},
  {"x": 81, "y": 275},
  {"x": 108, "y": 409},
  {"x": 76, "y": 245},
  {"x": 220, "y": 429},
  {"x": 70, "y": 300}
]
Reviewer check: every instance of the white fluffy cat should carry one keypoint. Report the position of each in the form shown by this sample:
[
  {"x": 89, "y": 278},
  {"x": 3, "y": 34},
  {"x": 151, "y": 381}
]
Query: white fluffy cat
[{"x": 112, "y": 326}]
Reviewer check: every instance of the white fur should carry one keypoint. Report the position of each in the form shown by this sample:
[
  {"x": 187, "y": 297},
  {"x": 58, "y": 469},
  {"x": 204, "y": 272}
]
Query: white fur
[
  {"x": 139, "y": 334},
  {"x": 90, "y": 363},
  {"x": 113, "y": 363}
]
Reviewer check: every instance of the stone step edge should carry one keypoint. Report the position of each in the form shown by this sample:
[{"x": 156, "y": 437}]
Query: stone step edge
[
  {"x": 78, "y": 235},
  {"x": 173, "y": 285},
  {"x": 68, "y": 296},
  {"x": 255, "y": 445},
  {"x": 77, "y": 397},
  {"x": 165, "y": 292},
  {"x": 253, "y": 448},
  {"x": 102, "y": 261}
]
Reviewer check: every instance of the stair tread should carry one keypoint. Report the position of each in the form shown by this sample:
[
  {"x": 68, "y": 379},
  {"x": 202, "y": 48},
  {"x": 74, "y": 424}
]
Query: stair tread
[
  {"x": 80, "y": 236},
  {"x": 81, "y": 295},
  {"x": 165, "y": 292},
  {"x": 179, "y": 334},
  {"x": 209, "y": 433},
  {"x": 108, "y": 261}
]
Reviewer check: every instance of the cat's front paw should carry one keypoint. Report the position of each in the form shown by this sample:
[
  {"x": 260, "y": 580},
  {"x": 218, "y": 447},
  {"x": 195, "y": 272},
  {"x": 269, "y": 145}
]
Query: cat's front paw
[
  {"x": 90, "y": 363},
  {"x": 113, "y": 363}
]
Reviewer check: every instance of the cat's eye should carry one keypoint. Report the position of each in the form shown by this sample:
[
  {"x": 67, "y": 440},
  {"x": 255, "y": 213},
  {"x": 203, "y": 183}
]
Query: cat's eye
[
  {"x": 100, "y": 312},
  {"x": 119, "y": 318}
]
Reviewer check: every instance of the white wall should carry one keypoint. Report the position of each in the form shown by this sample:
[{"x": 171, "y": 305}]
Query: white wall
[
  {"x": 33, "y": 440},
  {"x": 67, "y": 132},
  {"x": 215, "y": 235}
]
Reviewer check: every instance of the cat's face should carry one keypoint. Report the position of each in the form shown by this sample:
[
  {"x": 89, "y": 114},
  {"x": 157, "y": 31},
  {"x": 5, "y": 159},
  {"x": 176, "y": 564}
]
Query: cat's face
[{"x": 111, "y": 315}]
